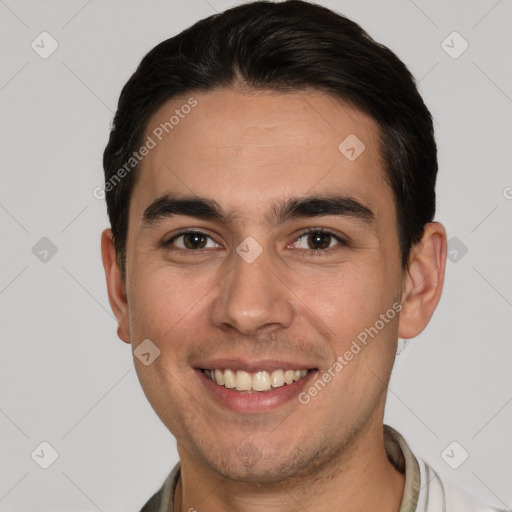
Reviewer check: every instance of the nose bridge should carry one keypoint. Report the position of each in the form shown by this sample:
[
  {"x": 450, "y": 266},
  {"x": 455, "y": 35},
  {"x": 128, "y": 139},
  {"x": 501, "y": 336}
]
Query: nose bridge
[{"x": 252, "y": 296}]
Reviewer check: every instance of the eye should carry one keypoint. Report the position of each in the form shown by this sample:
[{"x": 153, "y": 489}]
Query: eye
[
  {"x": 318, "y": 240},
  {"x": 312, "y": 240},
  {"x": 192, "y": 240}
]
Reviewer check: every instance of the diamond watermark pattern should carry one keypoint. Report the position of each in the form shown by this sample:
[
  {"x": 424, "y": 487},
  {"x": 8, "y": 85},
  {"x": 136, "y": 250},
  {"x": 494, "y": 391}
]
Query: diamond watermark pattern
[
  {"x": 456, "y": 249},
  {"x": 454, "y": 455},
  {"x": 352, "y": 147},
  {"x": 146, "y": 352},
  {"x": 44, "y": 250},
  {"x": 44, "y": 45},
  {"x": 249, "y": 454},
  {"x": 249, "y": 249},
  {"x": 44, "y": 455},
  {"x": 454, "y": 45}
]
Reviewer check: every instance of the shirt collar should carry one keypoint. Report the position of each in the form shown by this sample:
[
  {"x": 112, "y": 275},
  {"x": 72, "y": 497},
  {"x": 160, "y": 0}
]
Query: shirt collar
[{"x": 401, "y": 456}]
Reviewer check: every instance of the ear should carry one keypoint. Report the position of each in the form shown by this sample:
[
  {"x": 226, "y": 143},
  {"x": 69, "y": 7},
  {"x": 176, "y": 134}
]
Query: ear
[
  {"x": 423, "y": 281},
  {"x": 115, "y": 285}
]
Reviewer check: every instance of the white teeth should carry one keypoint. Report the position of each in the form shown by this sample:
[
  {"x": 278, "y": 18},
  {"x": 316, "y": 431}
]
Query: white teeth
[
  {"x": 243, "y": 381},
  {"x": 219, "y": 378},
  {"x": 229, "y": 379},
  {"x": 259, "y": 381},
  {"x": 288, "y": 376},
  {"x": 277, "y": 378}
]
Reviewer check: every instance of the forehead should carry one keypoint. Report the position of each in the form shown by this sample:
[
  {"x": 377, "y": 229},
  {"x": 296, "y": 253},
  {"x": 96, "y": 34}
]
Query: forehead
[{"x": 257, "y": 147}]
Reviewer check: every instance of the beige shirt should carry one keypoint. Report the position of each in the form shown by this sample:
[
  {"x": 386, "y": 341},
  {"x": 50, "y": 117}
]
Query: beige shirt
[{"x": 424, "y": 490}]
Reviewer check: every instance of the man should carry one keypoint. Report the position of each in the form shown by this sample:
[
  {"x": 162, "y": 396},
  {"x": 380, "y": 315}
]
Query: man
[{"x": 270, "y": 180}]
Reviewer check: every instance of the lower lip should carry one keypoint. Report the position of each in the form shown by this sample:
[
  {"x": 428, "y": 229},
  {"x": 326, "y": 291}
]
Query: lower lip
[{"x": 258, "y": 401}]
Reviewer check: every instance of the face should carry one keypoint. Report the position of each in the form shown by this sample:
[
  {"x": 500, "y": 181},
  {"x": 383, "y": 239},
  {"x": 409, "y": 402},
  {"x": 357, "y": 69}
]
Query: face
[{"x": 256, "y": 244}]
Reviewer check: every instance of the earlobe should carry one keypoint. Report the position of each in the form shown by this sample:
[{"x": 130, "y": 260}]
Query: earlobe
[
  {"x": 123, "y": 335},
  {"x": 423, "y": 281},
  {"x": 115, "y": 286}
]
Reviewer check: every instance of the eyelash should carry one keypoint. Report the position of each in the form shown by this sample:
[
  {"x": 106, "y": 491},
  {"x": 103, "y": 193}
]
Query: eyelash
[{"x": 338, "y": 238}]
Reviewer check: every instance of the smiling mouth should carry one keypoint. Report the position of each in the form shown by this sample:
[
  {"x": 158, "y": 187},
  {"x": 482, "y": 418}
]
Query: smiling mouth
[{"x": 250, "y": 382}]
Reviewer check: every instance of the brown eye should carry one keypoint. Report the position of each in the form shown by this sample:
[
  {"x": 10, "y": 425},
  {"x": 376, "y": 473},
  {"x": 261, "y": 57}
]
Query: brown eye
[
  {"x": 192, "y": 240},
  {"x": 319, "y": 240}
]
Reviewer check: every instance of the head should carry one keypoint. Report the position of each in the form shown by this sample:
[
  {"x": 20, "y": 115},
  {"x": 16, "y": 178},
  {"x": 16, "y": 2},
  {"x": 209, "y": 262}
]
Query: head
[{"x": 270, "y": 183}]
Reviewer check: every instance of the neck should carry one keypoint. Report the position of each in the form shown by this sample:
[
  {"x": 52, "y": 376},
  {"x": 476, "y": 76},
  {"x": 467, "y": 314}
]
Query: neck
[{"x": 360, "y": 478}]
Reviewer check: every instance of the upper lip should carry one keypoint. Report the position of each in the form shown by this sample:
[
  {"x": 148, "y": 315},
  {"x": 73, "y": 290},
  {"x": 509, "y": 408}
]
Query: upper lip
[{"x": 252, "y": 365}]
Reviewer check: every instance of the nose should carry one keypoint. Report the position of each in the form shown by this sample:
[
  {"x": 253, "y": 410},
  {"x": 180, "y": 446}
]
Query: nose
[{"x": 253, "y": 297}]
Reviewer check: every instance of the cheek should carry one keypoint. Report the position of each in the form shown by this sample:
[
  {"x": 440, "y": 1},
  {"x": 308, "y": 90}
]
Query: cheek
[
  {"x": 167, "y": 311},
  {"x": 344, "y": 300},
  {"x": 347, "y": 305},
  {"x": 166, "y": 390},
  {"x": 163, "y": 299}
]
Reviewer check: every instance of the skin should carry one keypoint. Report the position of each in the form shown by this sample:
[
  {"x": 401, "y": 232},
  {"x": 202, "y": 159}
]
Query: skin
[{"x": 246, "y": 150}]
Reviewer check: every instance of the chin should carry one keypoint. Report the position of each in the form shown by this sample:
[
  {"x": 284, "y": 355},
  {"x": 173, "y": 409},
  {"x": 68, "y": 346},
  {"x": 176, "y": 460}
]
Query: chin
[{"x": 246, "y": 463}]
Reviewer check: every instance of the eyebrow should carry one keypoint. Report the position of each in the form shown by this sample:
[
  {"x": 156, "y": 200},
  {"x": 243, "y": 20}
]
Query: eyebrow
[{"x": 310, "y": 206}]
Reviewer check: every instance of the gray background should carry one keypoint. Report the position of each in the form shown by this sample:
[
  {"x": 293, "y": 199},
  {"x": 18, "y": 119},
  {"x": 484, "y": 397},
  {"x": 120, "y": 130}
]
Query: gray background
[{"x": 65, "y": 377}]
